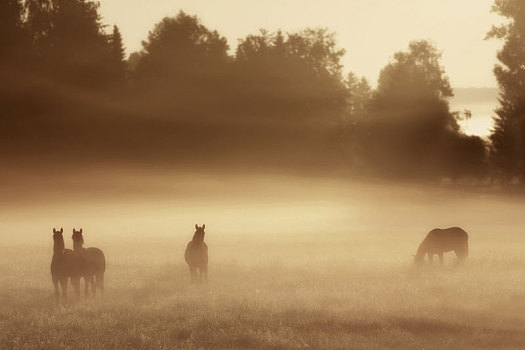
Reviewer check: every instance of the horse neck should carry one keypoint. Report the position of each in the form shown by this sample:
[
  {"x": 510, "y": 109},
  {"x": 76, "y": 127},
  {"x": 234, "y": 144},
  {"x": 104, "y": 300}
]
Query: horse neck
[
  {"x": 77, "y": 246},
  {"x": 58, "y": 247},
  {"x": 421, "y": 251},
  {"x": 198, "y": 238}
]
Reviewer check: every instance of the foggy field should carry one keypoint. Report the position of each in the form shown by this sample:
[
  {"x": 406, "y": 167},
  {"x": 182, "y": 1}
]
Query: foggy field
[{"x": 294, "y": 263}]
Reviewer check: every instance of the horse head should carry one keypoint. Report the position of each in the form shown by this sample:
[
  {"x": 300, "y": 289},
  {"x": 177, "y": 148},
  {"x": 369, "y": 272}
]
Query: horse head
[
  {"x": 199, "y": 233},
  {"x": 77, "y": 236},
  {"x": 58, "y": 234},
  {"x": 58, "y": 239}
]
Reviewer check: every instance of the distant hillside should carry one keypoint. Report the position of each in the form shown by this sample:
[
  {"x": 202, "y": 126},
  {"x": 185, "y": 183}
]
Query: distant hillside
[{"x": 475, "y": 95}]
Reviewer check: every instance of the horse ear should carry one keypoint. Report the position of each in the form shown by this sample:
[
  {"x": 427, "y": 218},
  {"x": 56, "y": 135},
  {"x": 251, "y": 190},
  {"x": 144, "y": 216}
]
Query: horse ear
[
  {"x": 54, "y": 231},
  {"x": 196, "y": 226},
  {"x": 61, "y": 230},
  {"x": 203, "y": 226},
  {"x": 80, "y": 231}
]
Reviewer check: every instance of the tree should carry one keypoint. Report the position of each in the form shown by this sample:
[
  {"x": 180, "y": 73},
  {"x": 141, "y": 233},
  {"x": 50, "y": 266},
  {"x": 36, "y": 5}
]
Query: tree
[
  {"x": 411, "y": 131},
  {"x": 70, "y": 40},
  {"x": 359, "y": 95},
  {"x": 17, "y": 60},
  {"x": 182, "y": 65},
  {"x": 297, "y": 76},
  {"x": 179, "y": 47},
  {"x": 117, "y": 57},
  {"x": 508, "y": 135},
  {"x": 353, "y": 134}
]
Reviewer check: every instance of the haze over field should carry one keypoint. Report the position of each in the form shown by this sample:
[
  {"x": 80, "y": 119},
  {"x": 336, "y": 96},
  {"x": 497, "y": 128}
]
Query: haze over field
[
  {"x": 269, "y": 175},
  {"x": 295, "y": 262}
]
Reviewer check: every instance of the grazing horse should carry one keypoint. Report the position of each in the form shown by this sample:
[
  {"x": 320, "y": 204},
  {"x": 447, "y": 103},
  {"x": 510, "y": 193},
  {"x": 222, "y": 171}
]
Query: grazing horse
[
  {"x": 93, "y": 263},
  {"x": 439, "y": 241},
  {"x": 64, "y": 265},
  {"x": 196, "y": 255}
]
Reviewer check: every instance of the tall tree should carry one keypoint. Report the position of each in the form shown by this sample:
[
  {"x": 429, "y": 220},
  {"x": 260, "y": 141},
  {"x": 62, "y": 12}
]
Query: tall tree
[
  {"x": 508, "y": 135},
  {"x": 359, "y": 95},
  {"x": 182, "y": 65},
  {"x": 411, "y": 130},
  {"x": 298, "y": 76},
  {"x": 70, "y": 40},
  {"x": 117, "y": 57},
  {"x": 16, "y": 59}
]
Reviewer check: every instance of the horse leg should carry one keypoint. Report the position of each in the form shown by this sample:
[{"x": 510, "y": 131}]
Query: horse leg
[
  {"x": 193, "y": 274},
  {"x": 440, "y": 258},
  {"x": 91, "y": 283},
  {"x": 75, "y": 281},
  {"x": 204, "y": 273},
  {"x": 63, "y": 284},
  {"x": 199, "y": 275},
  {"x": 460, "y": 254},
  {"x": 99, "y": 282},
  {"x": 86, "y": 286},
  {"x": 430, "y": 258},
  {"x": 57, "y": 292}
]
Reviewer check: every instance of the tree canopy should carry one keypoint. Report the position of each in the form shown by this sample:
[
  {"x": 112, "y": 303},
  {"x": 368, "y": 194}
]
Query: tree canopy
[
  {"x": 508, "y": 135},
  {"x": 410, "y": 129}
]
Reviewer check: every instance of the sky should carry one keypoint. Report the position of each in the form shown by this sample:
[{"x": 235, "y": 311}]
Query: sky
[{"x": 370, "y": 31}]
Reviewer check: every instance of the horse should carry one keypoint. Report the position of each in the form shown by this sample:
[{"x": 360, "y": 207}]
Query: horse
[
  {"x": 196, "y": 255},
  {"x": 439, "y": 241},
  {"x": 93, "y": 264},
  {"x": 64, "y": 264}
]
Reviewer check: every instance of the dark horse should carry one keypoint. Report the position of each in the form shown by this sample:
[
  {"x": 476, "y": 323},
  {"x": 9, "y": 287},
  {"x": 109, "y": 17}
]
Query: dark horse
[
  {"x": 439, "y": 241},
  {"x": 93, "y": 263},
  {"x": 196, "y": 255},
  {"x": 64, "y": 265}
]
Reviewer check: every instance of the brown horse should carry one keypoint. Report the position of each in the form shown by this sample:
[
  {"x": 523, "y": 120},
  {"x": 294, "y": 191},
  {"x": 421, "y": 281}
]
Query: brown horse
[
  {"x": 93, "y": 264},
  {"x": 64, "y": 265},
  {"x": 196, "y": 255},
  {"x": 439, "y": 241}
]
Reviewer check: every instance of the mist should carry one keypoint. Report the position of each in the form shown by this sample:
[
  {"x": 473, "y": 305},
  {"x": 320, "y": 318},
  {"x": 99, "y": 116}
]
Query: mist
[{"x": 196, "y": 192}]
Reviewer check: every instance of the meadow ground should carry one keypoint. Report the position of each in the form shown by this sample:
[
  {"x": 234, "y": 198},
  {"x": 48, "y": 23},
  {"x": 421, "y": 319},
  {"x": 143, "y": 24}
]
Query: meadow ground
[{"x": 294, "y": 263}]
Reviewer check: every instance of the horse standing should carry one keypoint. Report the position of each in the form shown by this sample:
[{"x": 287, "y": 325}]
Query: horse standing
[
  {"x": 196, "y": 255},
  {"x": 64, "y": 264},
  {"x": 93, "y": 263},
  {"x": 439, "y": 241}
]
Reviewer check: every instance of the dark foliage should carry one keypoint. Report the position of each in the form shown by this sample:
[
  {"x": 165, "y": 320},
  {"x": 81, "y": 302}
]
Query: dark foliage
[
  {"x": 279, "y": 101},
  {"x": 508, "y": 136}
]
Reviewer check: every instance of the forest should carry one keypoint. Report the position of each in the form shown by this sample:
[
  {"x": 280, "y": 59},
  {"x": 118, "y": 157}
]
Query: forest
[{"x": 68, "y": 93}]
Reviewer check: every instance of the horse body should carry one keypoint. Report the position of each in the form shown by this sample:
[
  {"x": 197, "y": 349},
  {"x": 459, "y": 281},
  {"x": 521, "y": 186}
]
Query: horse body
[
  {"x": 64, "y": 265},
  {"x": 196, "y": 256},
  {"x": 92, "y": 263},
  {"x": 439, "y": 241}
]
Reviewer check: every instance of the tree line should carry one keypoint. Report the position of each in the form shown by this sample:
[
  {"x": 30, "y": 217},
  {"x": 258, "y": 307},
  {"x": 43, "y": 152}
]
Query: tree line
[{"x": 67, "y": 89}]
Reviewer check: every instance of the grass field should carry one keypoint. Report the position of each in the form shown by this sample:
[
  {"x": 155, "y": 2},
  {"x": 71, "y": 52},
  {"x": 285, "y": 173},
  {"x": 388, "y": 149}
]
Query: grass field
[{"x": 294, "y": 263}]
